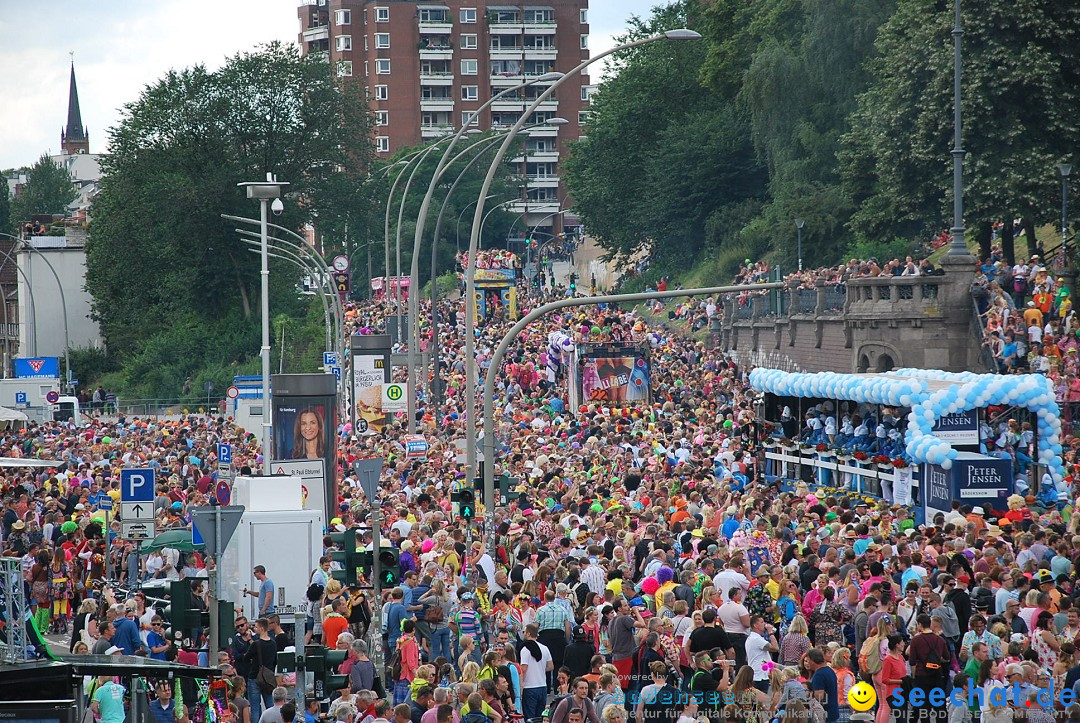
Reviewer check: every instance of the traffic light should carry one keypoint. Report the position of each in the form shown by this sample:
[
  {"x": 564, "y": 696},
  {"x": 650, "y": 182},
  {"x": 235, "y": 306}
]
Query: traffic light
[
  {"x": 348, "y": 556},
  {"x": 181, "y": 616},
  {"x": 573, "y": 283},
  {"x": 389, "y": 567},
  {"x": 466, "y": 502},
  {"x": 332, "y": 680},
  {"x": 508, "y": 488}
]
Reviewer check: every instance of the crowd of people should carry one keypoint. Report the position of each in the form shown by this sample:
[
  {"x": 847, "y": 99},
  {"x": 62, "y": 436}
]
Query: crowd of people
[{"x": 647, "y": 568}]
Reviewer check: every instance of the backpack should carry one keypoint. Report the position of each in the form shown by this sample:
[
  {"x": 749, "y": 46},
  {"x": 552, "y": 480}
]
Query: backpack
[
  {"x": 664, "y": 707},
  {"x": 581, "y": 594},
  {"x": 475, "y": 717},
  {"x": 870, "y": 656},
  {"x": 1019, "y": 284}
]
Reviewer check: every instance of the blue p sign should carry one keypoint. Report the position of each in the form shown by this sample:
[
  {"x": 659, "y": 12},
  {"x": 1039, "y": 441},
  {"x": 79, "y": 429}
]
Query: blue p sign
[
  {"x": 20, "y": 397},
  {"x": 224, "y": 453},
  {"x": 137, "y": 485}
]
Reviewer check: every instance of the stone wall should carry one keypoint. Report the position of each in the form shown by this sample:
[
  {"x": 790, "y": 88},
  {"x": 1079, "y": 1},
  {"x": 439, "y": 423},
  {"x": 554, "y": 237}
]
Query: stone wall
[{"x": 867, "y": 325}]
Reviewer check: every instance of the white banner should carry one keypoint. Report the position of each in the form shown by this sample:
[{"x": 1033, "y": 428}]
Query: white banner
[{"x": 901, "y": 486}]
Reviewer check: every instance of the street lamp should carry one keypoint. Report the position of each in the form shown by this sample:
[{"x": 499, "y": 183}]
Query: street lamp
[
  {"x": 266, "y": 191},
  {"x": 33, "y": 309},
  {"x": 1065, "y": 169},
  {"x": 799, "y": 223},
  {"x": 470, "y": 271},
  {"x": 957, "y": 247}
]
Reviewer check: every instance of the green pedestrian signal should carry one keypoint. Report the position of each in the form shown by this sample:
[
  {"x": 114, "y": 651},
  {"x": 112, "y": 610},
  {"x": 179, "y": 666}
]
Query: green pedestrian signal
[
  {"x": 390, "y": 574},
  {"x": 466, "y": 501}
]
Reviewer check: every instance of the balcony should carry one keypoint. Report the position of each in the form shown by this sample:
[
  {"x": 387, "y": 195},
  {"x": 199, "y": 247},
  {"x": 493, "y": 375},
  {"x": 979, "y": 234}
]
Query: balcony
[
  {"x": 435, "y": 131},
  {"x": 321, "y": 32},
  {"x": 534, "y": 206},
  {"x": 436, "y": 77},
  {"x": 507, "y": 79},
  {"x": 505, "y": 27},
  {"x": 509, "y": 104},
  {"x": 551, "y": 156},
  {"x": 543, "y": 180},
  {"x": 505, "y": 53},
  {"x": 437, "y": 104},
  {"x": 541, "y": 28},
  {"x": 436, "y": 27},
  {"x": 544, "y": 132},
  {"x": 435, "y": 52},
  {"x": 548, "y": 53}
]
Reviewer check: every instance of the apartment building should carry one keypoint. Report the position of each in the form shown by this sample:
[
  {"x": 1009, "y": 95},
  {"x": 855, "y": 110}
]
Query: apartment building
[{"x": 429, "y": 66}]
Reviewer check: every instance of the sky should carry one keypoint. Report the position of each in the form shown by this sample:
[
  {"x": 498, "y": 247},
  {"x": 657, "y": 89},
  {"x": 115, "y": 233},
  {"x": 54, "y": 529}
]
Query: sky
[{"x": 120, "y": 46}]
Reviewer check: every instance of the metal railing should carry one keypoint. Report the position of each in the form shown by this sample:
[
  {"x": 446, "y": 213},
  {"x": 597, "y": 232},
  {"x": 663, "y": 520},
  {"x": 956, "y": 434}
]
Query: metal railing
[
  {"x": 805, "y": 301},
  {"x": 986, "y": 357},
  {"x": 835, "y": 297}
]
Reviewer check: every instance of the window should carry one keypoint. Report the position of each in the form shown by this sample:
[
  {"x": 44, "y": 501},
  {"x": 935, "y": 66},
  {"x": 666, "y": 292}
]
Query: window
[
  {"x": 343, "y": 17},
  {"x": 382, "y": 66},
  {"x": 382, "y": 117},
  {"x": 584, "y": 41},
  {"x": 382, "y": 144},
  {"x": 470, "y": 119},
  {"x": 468, "y": 67},
  {"x": 539, "y": 16},
  {"x": 468, "y": 41},
  {"x": 585, "y": 92},
  {"x": 467, "y": 15},
  {"x": 344, "y": 68},
  {"x": 470, "y": 92},
  {"x": 582, "y": 117},
  {"x": 382, "y": 40},
  {"x": 344, "y": 42},
  {"x": 583, "y": 16},
  {"x": 382, "y": 15},
  {"x": 382, "y": 92}
]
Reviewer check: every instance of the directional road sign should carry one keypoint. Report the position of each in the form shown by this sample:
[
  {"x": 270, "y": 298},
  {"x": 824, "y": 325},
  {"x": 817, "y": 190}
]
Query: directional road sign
[
  {"x": 105, "y": 503},
  {"x": 203, "y": 523},
  {"x": 330, "y": 358},
  {"x": 137, "y": 504},
  {"x": 369, "y": 471},
  {"x": 224, "y": 453},
  {"x": 137, "y": 530}
]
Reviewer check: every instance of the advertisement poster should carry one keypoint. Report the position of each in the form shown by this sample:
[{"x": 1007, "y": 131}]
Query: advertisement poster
[
  {"x": 615, "y": 380},
  {"x": 303, "y": 428},
  {"x": 960, "y": 429},
  {"x": 42, "y": 367},
  {"x": 901, "y": 487},
  {"x": 369, "y": 373}
]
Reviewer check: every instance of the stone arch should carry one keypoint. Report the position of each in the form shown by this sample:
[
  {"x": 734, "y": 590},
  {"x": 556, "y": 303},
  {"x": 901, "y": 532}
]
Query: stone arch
[{"x": 880, "y": 357}]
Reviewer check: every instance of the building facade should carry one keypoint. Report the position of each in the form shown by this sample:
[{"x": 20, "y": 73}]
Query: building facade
[{"x": 428, "y": 66}]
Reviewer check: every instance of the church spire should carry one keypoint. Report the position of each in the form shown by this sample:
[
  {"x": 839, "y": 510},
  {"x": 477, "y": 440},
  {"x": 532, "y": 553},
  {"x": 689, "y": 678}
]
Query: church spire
[{"x": 74, "y": 138}]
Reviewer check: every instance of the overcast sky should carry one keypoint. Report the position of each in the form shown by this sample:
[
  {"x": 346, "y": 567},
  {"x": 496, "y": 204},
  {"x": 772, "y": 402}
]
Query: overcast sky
[{"x": 121, "y": 46}]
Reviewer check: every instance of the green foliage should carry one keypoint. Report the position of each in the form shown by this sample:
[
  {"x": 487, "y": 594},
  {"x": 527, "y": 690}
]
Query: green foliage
[
  {"x": 89, "y": 364},
  {"x": 445, "y": 284},
  {"x": 175, "y": 159},
  {"x": 48, "y": 191},
  {"x": 883, "y": 251},
  {"x": 1020, "y": 101},
  {"x": 694, "y": 147},
  {"x": 662, "y": 154},
  {"x": 6, "y": 225}
]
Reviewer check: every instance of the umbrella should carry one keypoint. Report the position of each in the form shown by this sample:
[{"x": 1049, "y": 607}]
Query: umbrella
[{"x": 175, "y": 539}]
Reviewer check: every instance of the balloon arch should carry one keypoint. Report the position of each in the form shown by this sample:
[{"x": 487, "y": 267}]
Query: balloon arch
[{"x": 932, "y": 394}]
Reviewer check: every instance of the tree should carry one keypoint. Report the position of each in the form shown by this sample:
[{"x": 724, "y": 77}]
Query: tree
[
  {"x": 175, "y": 159},
  {"x": 1021, "y": 98},
  {"x": 48, "y": 191},
  {"x": 5, "y": 207},
  {"x": 661, "y": 153}
]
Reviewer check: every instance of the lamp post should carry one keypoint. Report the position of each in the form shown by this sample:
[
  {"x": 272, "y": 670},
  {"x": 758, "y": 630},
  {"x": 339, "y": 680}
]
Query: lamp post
[
  {"x": 266, "y": 191},
  {"x": 1065, "y": 169},
  {"x": 421, "y": 223},
  {"x": 33, "y": 308},
  {"x": 799, "y": 223},
  {"x": 957, "y": 247},
  {"x": 470, "y": 271}
]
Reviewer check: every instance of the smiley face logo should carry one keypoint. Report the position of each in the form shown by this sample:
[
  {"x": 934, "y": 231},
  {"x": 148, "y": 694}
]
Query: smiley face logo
[{"x": 861, "y": 697}]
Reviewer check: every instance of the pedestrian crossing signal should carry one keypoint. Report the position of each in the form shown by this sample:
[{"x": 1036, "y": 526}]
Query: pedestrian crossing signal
[{"x": 466, "y": 501}]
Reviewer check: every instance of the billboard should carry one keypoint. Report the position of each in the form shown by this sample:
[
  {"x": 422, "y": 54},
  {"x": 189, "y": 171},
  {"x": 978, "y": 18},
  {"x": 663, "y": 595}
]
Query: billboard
[
  {"x": 612, "y": 374},
  {"x": 305, "y": 425},
  {"x": 959, "y": 429},
  {"x": 42, "y": 367},
  {"x": 371, "y": 370},
  {"x": 974, "y": 479}
]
